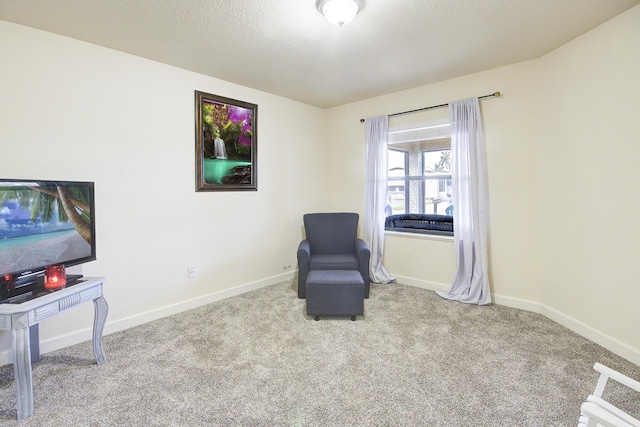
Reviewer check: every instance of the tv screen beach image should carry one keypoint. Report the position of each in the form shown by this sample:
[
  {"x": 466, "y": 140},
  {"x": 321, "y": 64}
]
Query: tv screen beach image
[{"x": 42, "y": 225}]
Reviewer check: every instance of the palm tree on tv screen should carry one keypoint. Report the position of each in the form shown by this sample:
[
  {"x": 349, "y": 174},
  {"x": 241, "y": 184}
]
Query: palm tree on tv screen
[{"x": 71, "y": 204}]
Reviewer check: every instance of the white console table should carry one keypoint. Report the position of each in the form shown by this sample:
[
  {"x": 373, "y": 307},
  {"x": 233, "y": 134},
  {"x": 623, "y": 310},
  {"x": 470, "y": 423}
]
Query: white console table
[{"x": 18, "y": 317}]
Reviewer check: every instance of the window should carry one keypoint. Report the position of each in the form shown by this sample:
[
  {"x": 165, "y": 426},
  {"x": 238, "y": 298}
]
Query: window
[{"x": 420, "y": 170}]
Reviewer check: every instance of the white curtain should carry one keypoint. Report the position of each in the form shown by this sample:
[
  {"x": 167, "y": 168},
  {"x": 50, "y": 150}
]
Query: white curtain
[
  {"x": 470, "y": 204},
  {"x": 376, "y": 194}
]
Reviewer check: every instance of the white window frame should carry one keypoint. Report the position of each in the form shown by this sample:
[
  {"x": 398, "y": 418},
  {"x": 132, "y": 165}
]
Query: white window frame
[{"x": 418, "y": 139}]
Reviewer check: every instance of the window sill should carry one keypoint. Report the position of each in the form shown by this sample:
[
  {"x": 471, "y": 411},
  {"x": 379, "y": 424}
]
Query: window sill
[{"x": 420, "y": 236}]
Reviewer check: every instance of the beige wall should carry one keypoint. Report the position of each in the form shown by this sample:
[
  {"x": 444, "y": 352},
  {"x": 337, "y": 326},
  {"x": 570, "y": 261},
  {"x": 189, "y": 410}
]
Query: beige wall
[
  {"x": 590, "y": 132},
  {"x": 127, "y": 124},
  {"x": 72, "y": 110},
  {"x": 562, "y": 145},
  {"x": 512, "y": 155}
]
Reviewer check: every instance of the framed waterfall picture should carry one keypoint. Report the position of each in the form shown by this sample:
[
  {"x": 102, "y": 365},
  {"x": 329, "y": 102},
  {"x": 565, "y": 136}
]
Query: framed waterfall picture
[{"x": 226, "y": 144}]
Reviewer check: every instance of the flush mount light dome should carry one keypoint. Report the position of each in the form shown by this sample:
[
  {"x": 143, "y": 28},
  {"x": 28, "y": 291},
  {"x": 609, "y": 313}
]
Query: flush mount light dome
[{"x": 339, "y": 12}]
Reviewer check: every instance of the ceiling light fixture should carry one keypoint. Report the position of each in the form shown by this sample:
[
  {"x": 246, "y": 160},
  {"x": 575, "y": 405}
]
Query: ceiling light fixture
[{"x": 339, "y": 12}]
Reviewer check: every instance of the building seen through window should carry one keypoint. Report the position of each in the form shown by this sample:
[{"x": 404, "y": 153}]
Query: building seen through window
[{"x": 419, "y": 178}]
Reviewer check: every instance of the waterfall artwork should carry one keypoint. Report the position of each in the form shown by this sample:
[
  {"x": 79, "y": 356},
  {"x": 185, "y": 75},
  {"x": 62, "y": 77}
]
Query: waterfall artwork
[
  {"x": 220, "y": 151},
  {"x": 226, "y": 144}
]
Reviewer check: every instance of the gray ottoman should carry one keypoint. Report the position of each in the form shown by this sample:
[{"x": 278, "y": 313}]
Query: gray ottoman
[{"x": 335, "y": 293}]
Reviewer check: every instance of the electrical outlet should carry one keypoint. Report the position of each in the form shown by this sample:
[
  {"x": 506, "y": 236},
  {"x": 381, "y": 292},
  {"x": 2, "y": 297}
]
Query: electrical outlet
[{"x": 191, "y": 271}]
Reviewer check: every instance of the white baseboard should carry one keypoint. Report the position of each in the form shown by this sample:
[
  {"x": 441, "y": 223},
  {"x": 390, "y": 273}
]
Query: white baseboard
[
  {"x": 612, "y": 344},
  {"x": 141, "y": 318},
  {"x": 419, "y": 283},
  {"x": 590, "y": 333},
  {"x": 86, "y": 334},
  {"x": 522, "y": 304}
]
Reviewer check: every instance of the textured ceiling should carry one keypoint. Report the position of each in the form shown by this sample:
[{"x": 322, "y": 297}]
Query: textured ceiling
[{"x": 287, "y": 48}]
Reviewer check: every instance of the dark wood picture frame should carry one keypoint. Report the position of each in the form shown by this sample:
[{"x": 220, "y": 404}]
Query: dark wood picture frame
[{"x": 226, "y": 144}]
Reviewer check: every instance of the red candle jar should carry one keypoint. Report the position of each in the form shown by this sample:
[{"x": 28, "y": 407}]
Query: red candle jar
[{"x": 55, "y": 277}]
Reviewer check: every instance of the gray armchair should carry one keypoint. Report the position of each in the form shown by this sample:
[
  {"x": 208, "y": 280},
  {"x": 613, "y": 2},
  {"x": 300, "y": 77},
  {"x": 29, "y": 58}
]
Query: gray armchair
[{"x": 332, "y": 244}]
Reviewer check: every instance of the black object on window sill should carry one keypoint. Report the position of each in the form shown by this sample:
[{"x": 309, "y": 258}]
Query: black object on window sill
[{"x": 420, "y": 223}]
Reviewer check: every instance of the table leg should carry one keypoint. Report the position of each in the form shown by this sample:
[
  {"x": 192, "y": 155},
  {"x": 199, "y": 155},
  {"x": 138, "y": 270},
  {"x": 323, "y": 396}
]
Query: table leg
[
  {"x": 100, "y": 318},
  {"x": 22, "y": 369},
  {"x": 34, "y": 341}
]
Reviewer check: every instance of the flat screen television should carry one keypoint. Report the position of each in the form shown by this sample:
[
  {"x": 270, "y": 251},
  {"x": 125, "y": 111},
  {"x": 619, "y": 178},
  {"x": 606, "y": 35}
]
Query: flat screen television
[{"x": 43, "y": 223}]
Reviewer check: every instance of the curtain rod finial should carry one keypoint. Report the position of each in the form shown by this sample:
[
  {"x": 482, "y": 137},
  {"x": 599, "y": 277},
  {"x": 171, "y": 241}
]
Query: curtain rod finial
[
  {"x": 496, "y": 94},
  {"x": 361, "y": 120}
]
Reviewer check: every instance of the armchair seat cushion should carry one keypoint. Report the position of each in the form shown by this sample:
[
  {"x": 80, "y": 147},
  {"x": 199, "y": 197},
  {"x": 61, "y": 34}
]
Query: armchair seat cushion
[{"x": 333, "y": 262}]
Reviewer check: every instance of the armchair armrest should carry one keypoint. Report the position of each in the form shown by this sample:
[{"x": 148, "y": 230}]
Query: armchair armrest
[
  {"x": 304, "y": 250},
  {"x": 362, "y": 250},
  {"x": 363, "y": 253},
  {"x": 304, "y": 256}
]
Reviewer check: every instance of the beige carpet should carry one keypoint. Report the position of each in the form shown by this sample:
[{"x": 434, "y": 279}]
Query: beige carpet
[{"x": 258, "y": 360}]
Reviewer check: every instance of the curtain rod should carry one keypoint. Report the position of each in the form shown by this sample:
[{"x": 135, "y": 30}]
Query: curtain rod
[{"x": 494, "y": 94}]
